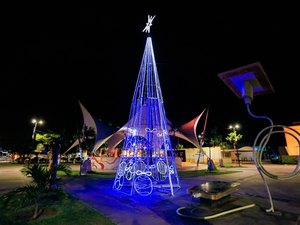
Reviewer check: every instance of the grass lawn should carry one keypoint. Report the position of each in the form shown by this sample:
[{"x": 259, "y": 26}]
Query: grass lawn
[{"x": 67, "y": 211}]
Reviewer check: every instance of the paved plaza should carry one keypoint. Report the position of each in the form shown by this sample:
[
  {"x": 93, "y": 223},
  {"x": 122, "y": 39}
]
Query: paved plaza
[{"x": 161, "y": 208}]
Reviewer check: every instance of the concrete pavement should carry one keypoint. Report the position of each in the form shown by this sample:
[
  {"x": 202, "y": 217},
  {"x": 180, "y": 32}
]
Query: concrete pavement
[
  {"x": 11, "y": 177},
  {"x": 161, "y": 208}
]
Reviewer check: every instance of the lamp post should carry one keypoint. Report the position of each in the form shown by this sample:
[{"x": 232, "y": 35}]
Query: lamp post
[
  {"x": 201, "y": 142},
  {"x": 210, "y": 163},
  {"x": 35, "y": 122},
  {"x": 235, "y": 139}
]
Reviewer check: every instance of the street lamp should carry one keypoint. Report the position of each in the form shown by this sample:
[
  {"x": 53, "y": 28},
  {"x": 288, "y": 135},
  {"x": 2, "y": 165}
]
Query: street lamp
[
  {"x": 235, "y": 139},
  {"x": 210, "y": 162},
  {"x": 35, "y": 122},
  {"x": 201, "y": 142}
]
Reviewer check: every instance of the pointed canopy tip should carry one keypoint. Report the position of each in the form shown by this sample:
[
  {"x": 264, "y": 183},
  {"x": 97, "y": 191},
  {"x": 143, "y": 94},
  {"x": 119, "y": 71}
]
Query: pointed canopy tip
[{"x": 148, "y": 24}]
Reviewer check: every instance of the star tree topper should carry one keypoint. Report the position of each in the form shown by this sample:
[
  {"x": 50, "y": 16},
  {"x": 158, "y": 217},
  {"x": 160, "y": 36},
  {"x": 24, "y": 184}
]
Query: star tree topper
[{"x": 149, "y": 24}]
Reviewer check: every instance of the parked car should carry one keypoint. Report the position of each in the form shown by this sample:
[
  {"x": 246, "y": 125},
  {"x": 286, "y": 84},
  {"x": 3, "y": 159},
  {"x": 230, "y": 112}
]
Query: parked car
[
  {"x": 41, "y": 157},
  {"x": 23, "y": 159},
  {"x": 273, "y": 155},
  {"x": 39, "y": 160},
  {"x": 63, "y": 158},
  {"x": 274, "y": 158},
  {"x": 75, "y": 157},
  {"x": 4, "y": 156}
]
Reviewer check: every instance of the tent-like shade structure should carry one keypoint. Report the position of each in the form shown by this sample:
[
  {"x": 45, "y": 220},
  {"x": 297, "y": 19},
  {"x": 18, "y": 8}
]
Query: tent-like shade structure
[
  {"x": 187, "y": 131},
  {"x": 102, "y": 131}
]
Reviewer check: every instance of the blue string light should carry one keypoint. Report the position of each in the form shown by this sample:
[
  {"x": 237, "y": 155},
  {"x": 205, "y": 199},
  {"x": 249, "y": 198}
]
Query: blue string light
[{"x": 147, "y": 162}]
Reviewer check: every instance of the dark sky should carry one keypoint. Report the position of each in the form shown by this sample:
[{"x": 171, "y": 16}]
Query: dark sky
[{"x": 52, "y": 57}]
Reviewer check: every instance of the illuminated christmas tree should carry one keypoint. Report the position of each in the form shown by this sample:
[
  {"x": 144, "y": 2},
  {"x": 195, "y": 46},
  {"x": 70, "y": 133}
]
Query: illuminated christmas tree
[{"x": 147, "y": 162}]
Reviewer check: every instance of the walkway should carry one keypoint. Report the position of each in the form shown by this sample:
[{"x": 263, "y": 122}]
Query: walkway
[{"x": 161, "y": 208}]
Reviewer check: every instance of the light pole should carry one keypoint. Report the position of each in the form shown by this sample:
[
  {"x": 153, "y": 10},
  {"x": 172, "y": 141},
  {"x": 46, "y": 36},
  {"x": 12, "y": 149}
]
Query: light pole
[
  {"x": 235, "y": 139},
  {"x": 35, "y": 122},
  {"x": 201, "y": 142},
  {"x": 210, "y": 163}
]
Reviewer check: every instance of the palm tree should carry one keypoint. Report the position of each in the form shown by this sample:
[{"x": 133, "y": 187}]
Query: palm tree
[
  {"x": 43, "y": 177},
  {"x": 42, "y": 191},
  {"x": 234, "y": 138}
]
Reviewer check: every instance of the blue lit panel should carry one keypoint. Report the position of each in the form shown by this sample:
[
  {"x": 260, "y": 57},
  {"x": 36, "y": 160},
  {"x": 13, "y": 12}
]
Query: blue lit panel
[
  {"x": 147, "y": 162},
  {"x": 252, "y": 73},
  {"x": 238, "y": 82}
]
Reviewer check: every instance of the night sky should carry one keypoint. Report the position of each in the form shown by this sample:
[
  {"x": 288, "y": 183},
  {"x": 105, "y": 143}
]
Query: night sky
[{"x": 51, "y": 57}]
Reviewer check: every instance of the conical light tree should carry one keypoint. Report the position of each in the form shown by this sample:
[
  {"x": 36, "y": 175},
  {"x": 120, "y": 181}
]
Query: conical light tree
[{"x": 147, "y": 162}]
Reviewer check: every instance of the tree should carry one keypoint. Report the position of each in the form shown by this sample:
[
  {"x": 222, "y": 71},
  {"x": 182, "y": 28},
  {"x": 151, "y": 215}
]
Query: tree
[
  {"x": 179, "y": 146},
  {"x": 233, "y": 137},
  {"x": 216, "y": 139},
  {"x": 41, "y": 192},
  {"x": 89, "y": 136},
  {"x": 86, "y": 137},
  {"x": 46, "y": 138}
]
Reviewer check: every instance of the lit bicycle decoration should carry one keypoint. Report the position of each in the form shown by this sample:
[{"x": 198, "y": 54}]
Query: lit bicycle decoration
[{"x": 147, "y": 161}]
